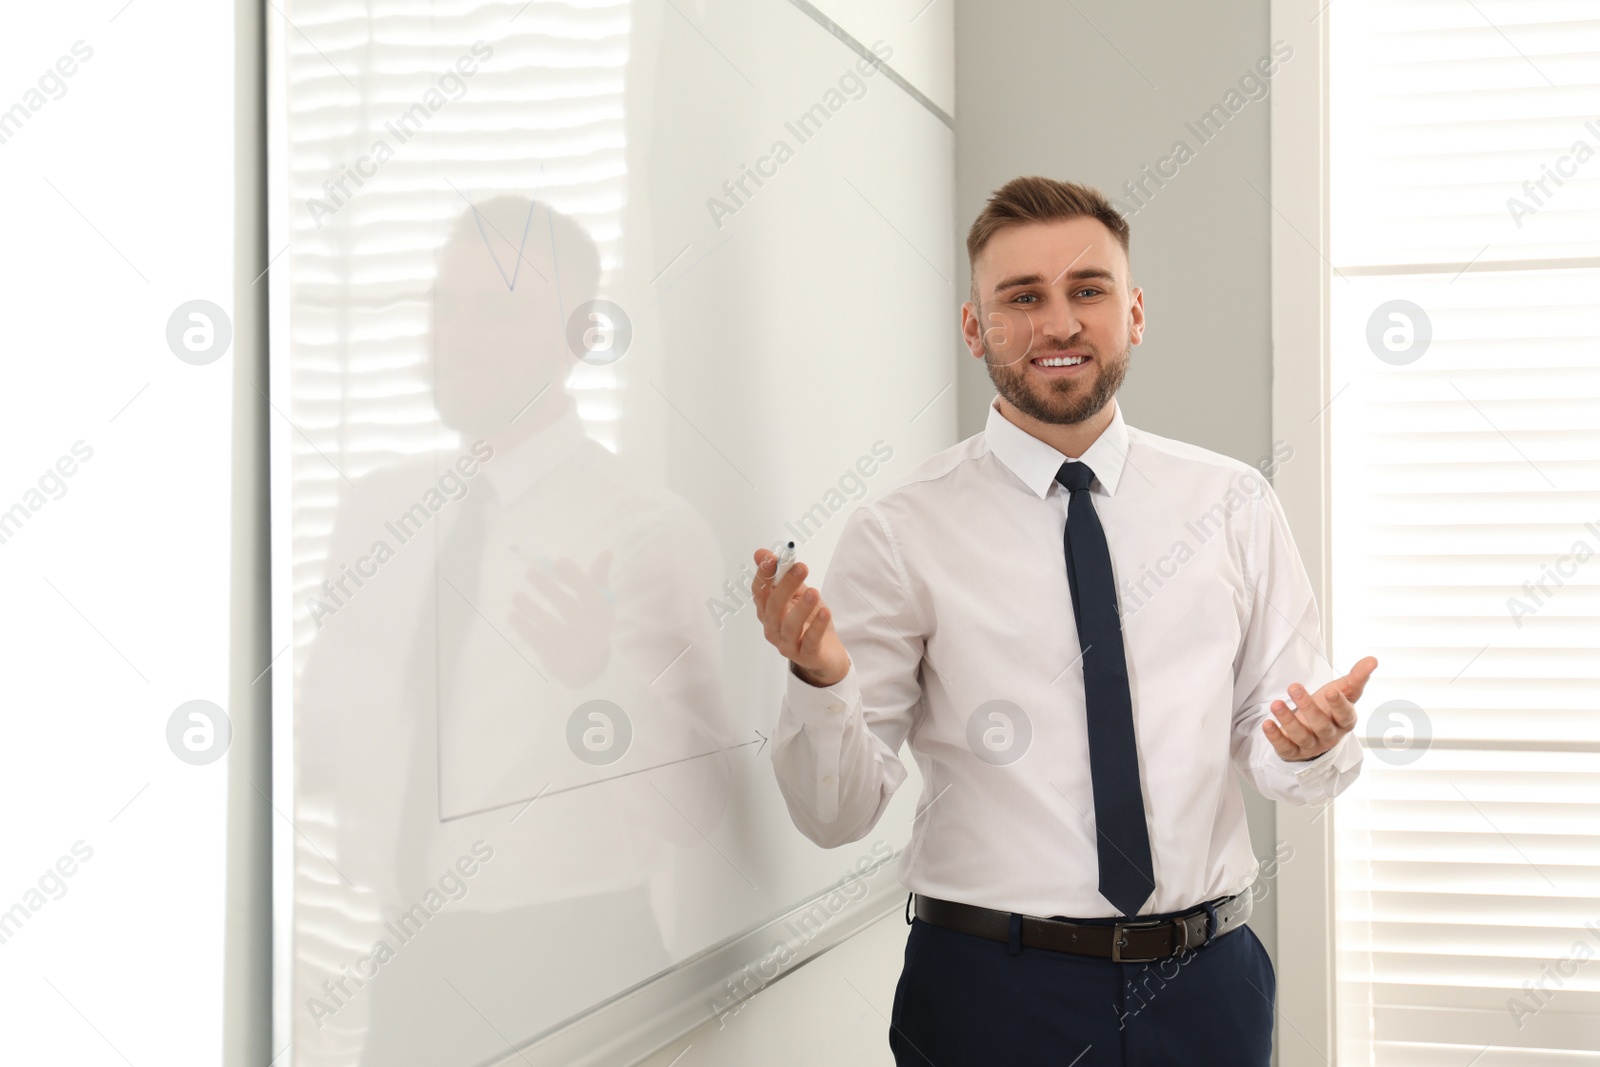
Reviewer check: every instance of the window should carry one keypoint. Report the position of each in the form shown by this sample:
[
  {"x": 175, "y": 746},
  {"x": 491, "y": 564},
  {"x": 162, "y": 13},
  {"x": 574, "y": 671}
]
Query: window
[{"x": 1464, "y": 423}]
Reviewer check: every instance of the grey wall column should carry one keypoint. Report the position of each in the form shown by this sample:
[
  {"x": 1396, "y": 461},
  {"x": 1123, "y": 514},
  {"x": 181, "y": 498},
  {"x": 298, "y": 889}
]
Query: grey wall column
[{"x": 247, "y": 955}]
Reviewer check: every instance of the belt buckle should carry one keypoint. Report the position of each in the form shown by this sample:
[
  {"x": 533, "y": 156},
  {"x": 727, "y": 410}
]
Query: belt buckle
[{"x": 1116, "y": 939}]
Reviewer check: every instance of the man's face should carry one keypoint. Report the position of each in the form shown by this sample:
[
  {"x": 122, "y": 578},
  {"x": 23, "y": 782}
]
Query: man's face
[{"x": 1048, "y": 290}]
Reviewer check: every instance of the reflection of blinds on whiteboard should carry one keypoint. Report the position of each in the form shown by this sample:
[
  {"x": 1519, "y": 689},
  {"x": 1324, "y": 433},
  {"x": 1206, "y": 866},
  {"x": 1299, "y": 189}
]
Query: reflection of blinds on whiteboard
[
  {"x": 384, "y": 93},
  {"x": 1465, "y": 444},
  {"x": 541, "y": 115}
]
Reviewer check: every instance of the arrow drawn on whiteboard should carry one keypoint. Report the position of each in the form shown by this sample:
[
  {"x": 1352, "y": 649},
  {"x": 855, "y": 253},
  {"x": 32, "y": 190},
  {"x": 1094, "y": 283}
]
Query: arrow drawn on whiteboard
[{"x": 760, "y": 738}]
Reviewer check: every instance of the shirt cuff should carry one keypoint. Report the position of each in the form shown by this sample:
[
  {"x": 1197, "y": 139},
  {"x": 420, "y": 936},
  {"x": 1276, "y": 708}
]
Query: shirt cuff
[
  {"x": 1345, "y": 753},
  {"x": 823, "y": 705},
  {"x": 821, "y": 711},
  {"x": 1305, "y": 766}
]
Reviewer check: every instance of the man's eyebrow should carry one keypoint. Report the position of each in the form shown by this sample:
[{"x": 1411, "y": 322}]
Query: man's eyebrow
[{"x": 1082, "y": 274}]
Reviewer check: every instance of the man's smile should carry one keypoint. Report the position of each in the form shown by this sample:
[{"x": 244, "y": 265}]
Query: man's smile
[{"x": 1062, "y": 365}]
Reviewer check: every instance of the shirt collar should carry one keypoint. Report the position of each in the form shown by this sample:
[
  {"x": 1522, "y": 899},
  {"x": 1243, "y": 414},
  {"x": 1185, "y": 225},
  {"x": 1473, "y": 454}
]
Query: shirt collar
[
  {"x": 1036, "y": 462},
  {"x": 514, "y": 470}
]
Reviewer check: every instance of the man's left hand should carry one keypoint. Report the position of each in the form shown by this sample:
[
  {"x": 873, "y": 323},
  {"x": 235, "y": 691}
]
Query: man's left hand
[{"x": 1318, "y": 721}]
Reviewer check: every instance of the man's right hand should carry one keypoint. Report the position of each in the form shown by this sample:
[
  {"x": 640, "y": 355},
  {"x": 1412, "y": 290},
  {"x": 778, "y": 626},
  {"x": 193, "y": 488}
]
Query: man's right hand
[{"x": 798, "y": 623}]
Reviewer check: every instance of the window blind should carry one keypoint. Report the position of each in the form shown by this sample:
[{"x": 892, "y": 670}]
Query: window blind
[{"x": 1464, "y": 431}]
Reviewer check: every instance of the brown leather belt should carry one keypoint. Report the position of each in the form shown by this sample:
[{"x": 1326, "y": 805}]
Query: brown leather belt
[{"x": 1127, "y": 941}]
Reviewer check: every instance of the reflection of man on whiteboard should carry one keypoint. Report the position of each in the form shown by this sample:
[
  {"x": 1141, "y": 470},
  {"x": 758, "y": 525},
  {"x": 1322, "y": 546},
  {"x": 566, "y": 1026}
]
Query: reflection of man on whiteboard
[
  {"x": 441, "y": 695},
  {"x": 1080, "y": 627}
]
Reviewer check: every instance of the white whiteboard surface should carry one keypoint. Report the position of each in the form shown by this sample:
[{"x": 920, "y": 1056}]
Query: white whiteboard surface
[{"x": 521, "y": 704}]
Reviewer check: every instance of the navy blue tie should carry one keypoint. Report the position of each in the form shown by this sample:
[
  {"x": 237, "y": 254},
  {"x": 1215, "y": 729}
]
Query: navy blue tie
[{"x": 1127, "y": 877}]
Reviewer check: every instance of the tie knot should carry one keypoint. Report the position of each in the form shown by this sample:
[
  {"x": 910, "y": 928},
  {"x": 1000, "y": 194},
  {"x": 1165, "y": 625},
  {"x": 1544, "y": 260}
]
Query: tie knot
[{"x": 1075, "y": 475}]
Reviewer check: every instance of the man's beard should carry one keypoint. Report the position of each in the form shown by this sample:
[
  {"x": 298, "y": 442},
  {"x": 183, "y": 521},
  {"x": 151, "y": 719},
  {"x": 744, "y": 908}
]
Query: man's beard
[{"x": 1062, "y": 402}]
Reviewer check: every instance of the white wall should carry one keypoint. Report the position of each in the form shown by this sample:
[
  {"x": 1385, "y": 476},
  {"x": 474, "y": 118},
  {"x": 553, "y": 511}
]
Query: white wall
[{"x": 117, "y": 171}]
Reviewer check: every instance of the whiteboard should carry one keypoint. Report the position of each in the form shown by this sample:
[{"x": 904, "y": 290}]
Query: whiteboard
[{"x": 549, "y": 362}]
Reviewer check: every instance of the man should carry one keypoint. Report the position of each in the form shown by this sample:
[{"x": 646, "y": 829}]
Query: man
[{"x": 1080, "y": 627}]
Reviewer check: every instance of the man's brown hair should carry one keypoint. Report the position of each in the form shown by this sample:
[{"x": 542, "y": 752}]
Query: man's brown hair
[{"x": 1032, "y": 198}]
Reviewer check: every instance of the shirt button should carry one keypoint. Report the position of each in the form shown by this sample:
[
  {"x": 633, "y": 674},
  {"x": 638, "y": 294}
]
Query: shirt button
[{"x": 827, "y": 779}]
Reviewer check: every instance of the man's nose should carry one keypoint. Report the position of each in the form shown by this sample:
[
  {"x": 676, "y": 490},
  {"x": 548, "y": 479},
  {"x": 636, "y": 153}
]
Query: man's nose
[
  {"x": 1055, "y": 321},
  {"x": 1059, "y": 329}
]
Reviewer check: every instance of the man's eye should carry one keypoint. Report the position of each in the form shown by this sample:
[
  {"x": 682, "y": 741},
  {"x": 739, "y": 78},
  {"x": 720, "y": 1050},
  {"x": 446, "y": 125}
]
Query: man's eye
[
  {"x": 1027, "y": 295},
  {"x": 1089, "y": 289}
]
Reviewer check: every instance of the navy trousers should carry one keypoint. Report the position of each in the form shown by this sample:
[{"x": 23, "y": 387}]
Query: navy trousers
[{"x": 967, "y": 1001}]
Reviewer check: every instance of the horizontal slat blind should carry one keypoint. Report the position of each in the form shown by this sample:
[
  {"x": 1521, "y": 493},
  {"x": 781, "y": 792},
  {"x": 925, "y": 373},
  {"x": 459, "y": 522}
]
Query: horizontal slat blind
[{"x": 1466, "y": 528}]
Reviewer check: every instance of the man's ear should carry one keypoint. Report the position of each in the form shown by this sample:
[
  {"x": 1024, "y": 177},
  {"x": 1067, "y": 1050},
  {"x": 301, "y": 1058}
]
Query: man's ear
[{"x": 971, "y": 329}]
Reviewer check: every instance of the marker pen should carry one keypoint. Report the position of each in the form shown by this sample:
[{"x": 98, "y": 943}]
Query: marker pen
[{"x": 785, "y": 561}]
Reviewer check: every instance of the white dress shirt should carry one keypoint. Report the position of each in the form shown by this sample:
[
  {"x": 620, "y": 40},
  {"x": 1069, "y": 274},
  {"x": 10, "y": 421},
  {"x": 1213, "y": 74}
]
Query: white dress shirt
[{"x": 950, "y": 594}]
